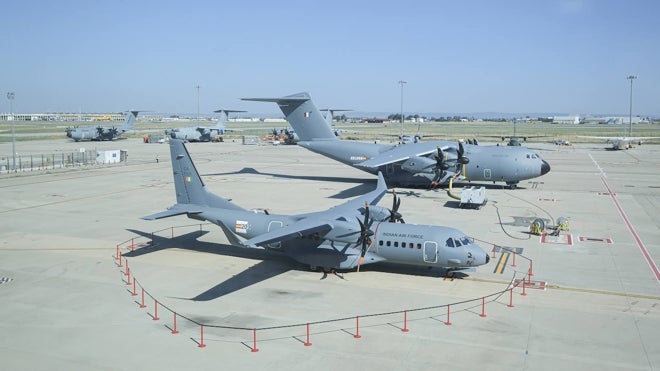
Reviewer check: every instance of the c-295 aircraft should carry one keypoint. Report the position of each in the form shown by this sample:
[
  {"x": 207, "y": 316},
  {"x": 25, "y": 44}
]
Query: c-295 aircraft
[
  {"x": 416, "y": 164},
  {"x": 343, "y": 237},
  {"x": 202, "y": 133},
  {"x": 102, "y": 132}
]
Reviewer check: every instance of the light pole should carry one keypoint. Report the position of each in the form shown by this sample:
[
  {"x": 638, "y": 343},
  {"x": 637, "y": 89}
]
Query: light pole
[
  {"x": 402, "y": 82},
  {"x": 197, "y": 87},
  {"x": 631, "y": 78},
  {"x": 10, "y": 97}
]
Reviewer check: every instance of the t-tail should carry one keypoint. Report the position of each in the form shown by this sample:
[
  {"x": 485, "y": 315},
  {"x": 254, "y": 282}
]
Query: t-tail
[
  {"x": 192, "y": 197},
  {"x": 331, "y": 114},
  {"x": 303, "y": 115},
  {"x": 221, "y": 124},
  {"x": 129, "y": 121}
]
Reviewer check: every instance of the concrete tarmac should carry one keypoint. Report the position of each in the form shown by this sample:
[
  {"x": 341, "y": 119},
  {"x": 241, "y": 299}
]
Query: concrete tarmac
[{"x": 65, "y": 303}]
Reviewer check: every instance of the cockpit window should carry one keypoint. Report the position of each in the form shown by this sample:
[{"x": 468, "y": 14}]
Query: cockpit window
[
  {"x": 457, "y": 243},
  {"x": 450, "y": 242},
  {"x": 465, "y": 240}
]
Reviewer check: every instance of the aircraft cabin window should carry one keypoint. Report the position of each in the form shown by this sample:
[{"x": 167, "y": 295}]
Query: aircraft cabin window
[
  {"x": 380, "y": 243},
  {"x": 388, "y": 243},
  {"x": 450, "y": 242},
  {"x": 396, "y": 243},
  {"x": 411, "y": 245},
  {"x": 419, "y": 246}
]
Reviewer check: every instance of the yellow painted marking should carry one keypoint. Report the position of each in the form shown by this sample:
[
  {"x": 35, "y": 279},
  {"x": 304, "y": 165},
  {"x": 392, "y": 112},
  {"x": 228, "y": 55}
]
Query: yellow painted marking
[{"x": 501, "y": 264}]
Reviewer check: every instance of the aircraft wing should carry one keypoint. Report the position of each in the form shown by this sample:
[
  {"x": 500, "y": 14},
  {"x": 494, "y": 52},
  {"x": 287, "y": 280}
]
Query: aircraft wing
[
  {"x": 402, "y": 153},
  {"x": 619, "y": 138},
  {"x": 321, "y": 222},
  {"x": 605, "y": 138},
  {"x": 301, "y": 228}
]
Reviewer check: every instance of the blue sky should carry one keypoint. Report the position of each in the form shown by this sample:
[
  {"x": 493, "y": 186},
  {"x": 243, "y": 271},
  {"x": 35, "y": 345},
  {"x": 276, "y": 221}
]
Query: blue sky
[{"x": 564, "y": 56}]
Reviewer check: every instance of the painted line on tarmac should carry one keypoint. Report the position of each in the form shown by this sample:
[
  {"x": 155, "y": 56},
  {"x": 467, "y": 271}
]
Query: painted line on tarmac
[
  {"x": 58, "y": 249},
  {"x": 572, "y": 289},
  {"x": 638, "y": 240},
  {"x": 501, "y": 264},
  {"x": 600, "y": 169}
]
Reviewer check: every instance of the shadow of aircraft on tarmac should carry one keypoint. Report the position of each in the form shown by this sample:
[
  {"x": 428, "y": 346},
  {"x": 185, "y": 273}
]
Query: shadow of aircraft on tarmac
[
  {"x": 364, "y": 185},
  {"x": 271, "y": 263}
]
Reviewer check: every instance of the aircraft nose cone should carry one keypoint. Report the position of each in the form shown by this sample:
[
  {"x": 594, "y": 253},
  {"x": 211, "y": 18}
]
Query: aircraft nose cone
[{"x": 545, "y": 168}]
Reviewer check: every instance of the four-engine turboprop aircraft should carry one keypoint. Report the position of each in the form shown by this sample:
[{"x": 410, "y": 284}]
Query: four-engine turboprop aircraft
[
  {"x": 202, "y": 133},
  {"x": 343, "y": 237},
  {"x": 102, "y": 132},
  {"x": 417, "y": 164}
]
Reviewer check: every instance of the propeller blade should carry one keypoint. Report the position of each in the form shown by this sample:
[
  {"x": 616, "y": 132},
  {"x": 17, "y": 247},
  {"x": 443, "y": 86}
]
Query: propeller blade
[
  {"x": 365, "y": 233},
  {"x": 461, "y": 160},
  {"x": 394, "y": 211}
]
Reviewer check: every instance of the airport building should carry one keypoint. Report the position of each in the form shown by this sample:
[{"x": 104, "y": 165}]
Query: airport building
[
  {"x": 566, "y": 119},
  {"x": 100, "y": 117}
]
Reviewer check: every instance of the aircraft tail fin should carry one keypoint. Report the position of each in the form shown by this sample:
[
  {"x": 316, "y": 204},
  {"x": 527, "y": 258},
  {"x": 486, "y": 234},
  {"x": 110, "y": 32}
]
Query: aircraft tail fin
[
  {"x": 129, "y": 121},
  {"x": 303, "y": 115},
  {"x": 189, "y": 187},
  {"x": 331, "y": 114},
  {"x": 221, "y": 124}
]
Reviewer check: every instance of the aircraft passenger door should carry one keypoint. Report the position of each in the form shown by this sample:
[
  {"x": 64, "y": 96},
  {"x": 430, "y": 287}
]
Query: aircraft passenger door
[
  {"x": 487, "y": 174},
  {"x": 430, "y": 252},
  {"x": 275, "y": 224}
]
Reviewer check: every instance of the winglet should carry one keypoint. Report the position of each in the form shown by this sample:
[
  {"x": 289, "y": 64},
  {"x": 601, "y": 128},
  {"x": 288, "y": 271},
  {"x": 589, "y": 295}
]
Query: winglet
[{"x": 381, "y": 185}]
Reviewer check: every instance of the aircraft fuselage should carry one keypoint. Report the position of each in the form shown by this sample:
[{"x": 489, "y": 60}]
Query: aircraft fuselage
[
  {"x": 95, "y": 133},
  {"x": 487, "y": 163},
  {"x": 411, "y": 244}
]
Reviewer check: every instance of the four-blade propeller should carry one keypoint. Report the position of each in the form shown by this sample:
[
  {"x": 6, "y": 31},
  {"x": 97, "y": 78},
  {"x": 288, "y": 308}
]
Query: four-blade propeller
[
  {"x": 442, "y": 163},
  {"x": 395, "y": 216}
]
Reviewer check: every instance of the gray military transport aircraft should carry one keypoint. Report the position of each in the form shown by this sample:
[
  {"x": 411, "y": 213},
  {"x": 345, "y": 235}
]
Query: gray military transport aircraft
[
  {"x": 341, "y": 238},
  {"x": 202, "y": 133},
  {"x": 98, "y": 133},
  {"x": 624, "y": 142},
  {"x": 424, "y": 164}
]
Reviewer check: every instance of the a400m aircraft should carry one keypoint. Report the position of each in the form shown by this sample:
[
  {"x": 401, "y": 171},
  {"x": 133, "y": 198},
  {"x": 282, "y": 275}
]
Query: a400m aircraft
[
  {"x": 202, "y": 133},
  {"x": 340, "y": 238},
  {"x": 411, "y": 165},
  {"x": 98, "y": 133}
]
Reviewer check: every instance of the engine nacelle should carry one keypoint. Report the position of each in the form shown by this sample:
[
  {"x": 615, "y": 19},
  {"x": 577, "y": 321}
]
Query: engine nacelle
[{"x": 419, "y": 165}]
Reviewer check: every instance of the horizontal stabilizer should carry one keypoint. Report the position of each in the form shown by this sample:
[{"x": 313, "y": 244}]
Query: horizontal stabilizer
[
  {"x": 175, "y": 210},
  {"x": 300, "y": 97},
  {"x": 228, "y": 111}
]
